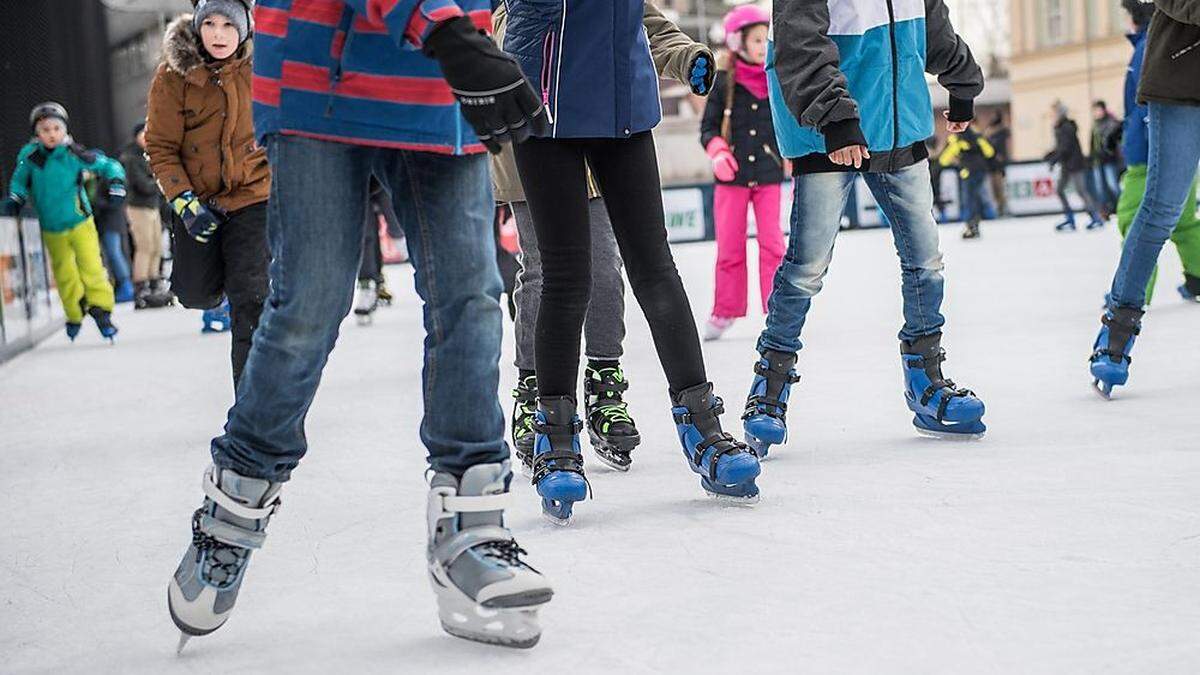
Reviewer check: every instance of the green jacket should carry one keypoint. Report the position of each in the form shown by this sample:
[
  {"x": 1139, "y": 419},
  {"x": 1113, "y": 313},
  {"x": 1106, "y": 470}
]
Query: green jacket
[
  {"x": 670, "y": 48},
  {"x": 53, "y": 180}
]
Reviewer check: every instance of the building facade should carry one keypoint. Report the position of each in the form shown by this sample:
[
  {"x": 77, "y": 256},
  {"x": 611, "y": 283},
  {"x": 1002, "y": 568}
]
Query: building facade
[{"x": 1074, "y": 51}]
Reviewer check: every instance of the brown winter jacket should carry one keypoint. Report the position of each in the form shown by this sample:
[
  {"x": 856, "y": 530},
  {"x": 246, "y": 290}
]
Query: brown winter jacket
[
  {"x": 670, "y": 48},
  {"x": 199, "y": 128}
]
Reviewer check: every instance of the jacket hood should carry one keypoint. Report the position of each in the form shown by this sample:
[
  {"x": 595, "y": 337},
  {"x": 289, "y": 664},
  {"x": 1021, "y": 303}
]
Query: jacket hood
[{"x": 182, "y": 51}]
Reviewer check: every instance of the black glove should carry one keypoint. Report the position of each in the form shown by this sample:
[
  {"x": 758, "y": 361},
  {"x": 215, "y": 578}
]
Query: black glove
[{"x": 489, "y": 85}]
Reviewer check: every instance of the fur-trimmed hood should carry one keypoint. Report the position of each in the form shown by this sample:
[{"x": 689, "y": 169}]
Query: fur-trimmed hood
[{"x": 182, "y": 51}]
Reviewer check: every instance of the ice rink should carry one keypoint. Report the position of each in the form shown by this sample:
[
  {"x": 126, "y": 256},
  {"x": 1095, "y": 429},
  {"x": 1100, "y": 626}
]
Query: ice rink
[{"x": 1068, "y": 540}]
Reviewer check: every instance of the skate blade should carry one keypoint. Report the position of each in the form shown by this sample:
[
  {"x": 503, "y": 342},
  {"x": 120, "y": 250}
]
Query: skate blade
[
  {"x": 557, "y": 520},
  {"x": 1103, "y": 390},
  {"x": 610, "y": 463},
  {"x": 950, "y": 435},
  {"x": 461, "y": 617},
  {"x": 732, "y": 500},
  {"x": 183, "y": 640}
]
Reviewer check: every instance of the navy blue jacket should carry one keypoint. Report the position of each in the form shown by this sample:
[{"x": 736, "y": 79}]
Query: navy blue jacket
[
  {"x": 590, "y": 62},
  {"x": 1136, "y": 142}
]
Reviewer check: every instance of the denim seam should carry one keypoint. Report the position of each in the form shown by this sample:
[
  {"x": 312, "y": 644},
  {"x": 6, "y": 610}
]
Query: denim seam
[
  {"x": 427, "y": 267},
  {"x": 903, "y": 233}
]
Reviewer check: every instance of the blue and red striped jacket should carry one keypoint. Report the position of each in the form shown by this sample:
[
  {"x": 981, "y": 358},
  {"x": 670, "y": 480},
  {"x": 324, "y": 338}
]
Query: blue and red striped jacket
[{"x": 352, "y": 71}]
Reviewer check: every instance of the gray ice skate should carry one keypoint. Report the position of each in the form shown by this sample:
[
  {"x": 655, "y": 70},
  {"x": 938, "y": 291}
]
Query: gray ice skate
[
  {"x": 366, "y": 303},
  {"x": 485, "y": 592},
  {"x": 230, "y": 524}
]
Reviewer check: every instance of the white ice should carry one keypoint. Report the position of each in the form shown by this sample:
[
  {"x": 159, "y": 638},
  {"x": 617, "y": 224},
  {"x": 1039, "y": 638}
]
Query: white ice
[{"x": 1066, "y": 541}]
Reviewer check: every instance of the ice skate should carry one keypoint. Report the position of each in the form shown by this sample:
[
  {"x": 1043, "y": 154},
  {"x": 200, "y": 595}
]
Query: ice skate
[
  {"x": 485, "y": 591},
  {"x": 1190, "y": 288},
  {"x": 727, "y": 467},
  {"x": 383, "y": 293},
  {"x": 971, "y": 230},
  {"x": 524, "y": 411},
  {"x": 147, "y": 296},
  {"x": 366, "y": 303},
  {"x": 557, "y": 462},
  {"x": 1109, "y": 363},
  {"x": 73, "y": 330},
  {"x": 716, "y": 327},
  {"x": 1067, "y": 225},
  {"x": 764, "y": 420},
  {"x": 215, "y": 320},
  {"x": 612, "y": 431},
  {"x": 942, "y": 410},
  {"x": 103, "y": 319},
  {"x": 228, "y": 526}
]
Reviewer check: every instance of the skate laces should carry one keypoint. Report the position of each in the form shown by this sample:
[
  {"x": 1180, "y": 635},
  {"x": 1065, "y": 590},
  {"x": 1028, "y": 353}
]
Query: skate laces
[
  {"x": 508, "y": 552},
  {"x": 604, "y": 389},
  {"x": 224, "y": 562},
  {"x": 526, "y": 399}
]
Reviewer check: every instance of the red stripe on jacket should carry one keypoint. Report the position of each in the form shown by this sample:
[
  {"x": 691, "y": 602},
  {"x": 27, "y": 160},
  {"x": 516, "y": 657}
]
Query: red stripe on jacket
[
  {"x": 394, "y": 89},
  {"x": 323, "y": 12},
  {"x": 265, "y": 90},
  {"x": 269, "y": 21},
  {"x": 472, "y": 148}
]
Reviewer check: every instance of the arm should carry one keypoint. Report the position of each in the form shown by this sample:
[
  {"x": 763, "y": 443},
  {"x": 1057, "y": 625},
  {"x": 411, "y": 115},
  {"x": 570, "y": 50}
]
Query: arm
[
  {"x": 672, "y": 50},
  {"x": 806, "y": 62},
  {"x": 950, "y": 153},
  {"x": 164, "y": 135},
  {"x": 18, "y": 186},
  {"x": 1183, "y": 11},
  {"x": 137, "y": 174},
  {"x": 950, "y": 59}
]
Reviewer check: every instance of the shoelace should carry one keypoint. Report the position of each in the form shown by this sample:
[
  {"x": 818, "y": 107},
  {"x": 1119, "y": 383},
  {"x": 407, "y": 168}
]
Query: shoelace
[
  {"x": 224, "y": 562},
  {"x": 508, "y": 552}
]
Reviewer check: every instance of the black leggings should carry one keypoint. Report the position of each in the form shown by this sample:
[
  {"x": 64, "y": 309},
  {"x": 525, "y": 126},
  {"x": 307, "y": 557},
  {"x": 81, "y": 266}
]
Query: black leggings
[{"x": 554, "y": 174}]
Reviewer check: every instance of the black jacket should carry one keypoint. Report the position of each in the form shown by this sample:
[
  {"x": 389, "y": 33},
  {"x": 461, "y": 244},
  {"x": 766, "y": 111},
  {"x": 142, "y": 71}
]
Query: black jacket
[
  {"x": 1171, "y": 70},
  {"x": 752, "y": 133},
  {"x": 1067, "y": 151},
  {"x": 1106, "y": 140},
  {"x": 139, "y": 179}
]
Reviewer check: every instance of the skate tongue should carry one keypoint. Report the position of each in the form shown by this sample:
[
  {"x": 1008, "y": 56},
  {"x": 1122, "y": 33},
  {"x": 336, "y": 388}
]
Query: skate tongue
[{"x": 480, "y": 480}]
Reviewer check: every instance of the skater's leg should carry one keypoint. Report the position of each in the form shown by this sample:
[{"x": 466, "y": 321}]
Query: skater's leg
[
  {"x": 1064, "y": 178},
  {"x": 1174, "y": 153},
  {"x": 445, "y": 203},
  {"x": 604, "y": 325},
  {"x": 66, "y": 273},
  {"x": 114, "y": 253},
  {"x": 1079, "y": 181},
  {"x": 528, "y": 293},
  {"x": 1132, "y": 191},
  {"x": 555, "y": 179},
  {"x": 820, "y": 199},
  {"x": 766, "y": 200},
  {"x": 315, "y": 217},
  {"x": 1186, "y": 237},
  {"x": 246, "y": 253},
  {"x": 97, "y": 291},
  {"x": 906, "y": 200},
  {"x": 145, "y": 224},
  {"x": 731, "y": 204},
  {"x": 372, "y": 255},
  {"x": 627, "y": 171},
  {"x": 197, "y": 270}
]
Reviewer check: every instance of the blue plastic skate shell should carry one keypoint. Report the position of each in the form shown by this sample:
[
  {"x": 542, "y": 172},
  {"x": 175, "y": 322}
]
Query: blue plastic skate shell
[
  {"x": 732, "y": 479},
  {"x": 763, "y": 422},
  {"x": 942, "y": 412},
  {"x": 1106, "y": 371},
  {"x": 73, "y": 330},
  {"x": 558, "y": 475},
  {"x": 216, "y": 320}
]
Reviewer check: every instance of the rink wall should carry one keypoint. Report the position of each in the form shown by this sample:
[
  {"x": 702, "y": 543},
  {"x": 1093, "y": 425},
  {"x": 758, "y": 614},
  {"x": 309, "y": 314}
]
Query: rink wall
[
  {"x": 28, "y": 311},
  {"x": 1031, "y": 188}
]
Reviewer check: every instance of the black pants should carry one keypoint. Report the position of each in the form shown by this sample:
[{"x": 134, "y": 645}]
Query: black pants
[
  {"x": 232, "y": 264},
  {"x": 554, "y": 174}
]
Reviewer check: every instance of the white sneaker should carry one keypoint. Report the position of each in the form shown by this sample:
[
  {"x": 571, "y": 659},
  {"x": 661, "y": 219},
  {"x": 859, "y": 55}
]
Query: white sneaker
[{"x": 716, "y": 327}]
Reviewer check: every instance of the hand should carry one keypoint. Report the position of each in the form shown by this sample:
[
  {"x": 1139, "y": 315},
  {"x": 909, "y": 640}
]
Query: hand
[
  {"x": 725, "y": 165},
  {"x": 955, "y": 127},
  {"x": 850, "y": 156},
  {"x": 116, "y": 193},
  {"x": 199, "y": 222},
  {"x": 495, "y": 98},
  {"x": 701, "y": 73}
]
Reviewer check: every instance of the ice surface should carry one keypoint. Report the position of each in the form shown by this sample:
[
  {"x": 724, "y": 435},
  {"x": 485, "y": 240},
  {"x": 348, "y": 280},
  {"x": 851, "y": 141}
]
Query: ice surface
[{"x": 1066, "y": 541}]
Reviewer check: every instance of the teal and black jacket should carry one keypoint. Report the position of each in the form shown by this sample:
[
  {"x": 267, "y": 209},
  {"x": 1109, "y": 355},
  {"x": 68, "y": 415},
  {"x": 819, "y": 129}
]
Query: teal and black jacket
[{"x": 852, "y": 72}]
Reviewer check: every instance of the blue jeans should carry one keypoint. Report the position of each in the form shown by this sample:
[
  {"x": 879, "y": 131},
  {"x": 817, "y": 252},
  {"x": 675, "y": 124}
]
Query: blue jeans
[
  {"x": 906, "y": 199},
  {"x": 1174, "y": 154},
  {"x": 315, "y": 219},
  {"x": 977, "y": 201},
  {"x": 1107, "y": 177},
  {"x": 114, "y": 250}
]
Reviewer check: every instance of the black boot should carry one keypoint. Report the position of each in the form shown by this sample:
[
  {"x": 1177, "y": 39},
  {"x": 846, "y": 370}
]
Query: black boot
[{"x": 612, "y": 431}]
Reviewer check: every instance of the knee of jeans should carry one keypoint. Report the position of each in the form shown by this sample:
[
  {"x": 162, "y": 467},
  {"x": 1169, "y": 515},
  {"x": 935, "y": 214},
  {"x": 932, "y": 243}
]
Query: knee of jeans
[
  {"x": 807, "y": 278},
  {"x": 1162, "y": 213},
  {"x": 931, "y": 263}
]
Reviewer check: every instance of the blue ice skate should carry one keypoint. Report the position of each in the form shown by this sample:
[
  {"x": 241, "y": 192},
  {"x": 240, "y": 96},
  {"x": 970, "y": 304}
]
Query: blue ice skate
[
  {"x": 942, "y": 409},
  {"x": 103, "y": 319},
  {"x": 764, "y": 421},
  {"x": 1110, "y": 358},
  {"x": 557, "y": 461},
  {"x": 73, "y": 330},
  {"x": 216, "y": 320},
  {"x": 727, "y": 467}
]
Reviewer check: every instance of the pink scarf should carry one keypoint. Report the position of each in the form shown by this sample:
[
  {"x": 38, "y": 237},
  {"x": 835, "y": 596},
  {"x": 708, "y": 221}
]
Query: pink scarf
[{"x": 752, "y": 76}]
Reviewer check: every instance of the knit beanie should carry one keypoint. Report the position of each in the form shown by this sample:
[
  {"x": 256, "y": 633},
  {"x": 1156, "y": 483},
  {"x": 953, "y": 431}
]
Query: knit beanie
[{"x": 234, "y": 10}]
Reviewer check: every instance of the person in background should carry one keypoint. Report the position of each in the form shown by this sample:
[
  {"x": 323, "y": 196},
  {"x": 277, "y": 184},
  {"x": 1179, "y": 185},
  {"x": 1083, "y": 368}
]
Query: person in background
[
  {"x": 1000, "y": 136},
  {"x": 50, "y": 176},
  {"x": 1068, "y": 156},
  {"x": 113, "y": 229},
  {"x": 738, "y": 135},
  {"x": 1106, "y": 157},
  {"x": 145, "y": 224},
  {"x": 1135, "y": 148},
  {"x": 975, "y": 158}
]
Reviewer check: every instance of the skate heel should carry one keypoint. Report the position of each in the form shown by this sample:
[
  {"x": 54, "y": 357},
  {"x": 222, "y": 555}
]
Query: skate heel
[
  {"x": 727, "y": 467},
  {"x": 516, "y": 627},
  {"x": 764, "y": 420},
  {"x": 941, "y": 409},
  {"x": 557, "y": 462}
]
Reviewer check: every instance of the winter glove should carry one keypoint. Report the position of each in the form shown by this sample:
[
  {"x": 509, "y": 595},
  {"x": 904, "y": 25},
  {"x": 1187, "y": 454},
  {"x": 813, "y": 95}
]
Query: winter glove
[
  {"x": 12, "y": 206},
  {"x": 197, "y": 220},
  {"x": 724, "y": 164},
  {"x": 489, "y": 85},
  {"x": 116, "y": 193},
  {"x": 701, "y": 73}
]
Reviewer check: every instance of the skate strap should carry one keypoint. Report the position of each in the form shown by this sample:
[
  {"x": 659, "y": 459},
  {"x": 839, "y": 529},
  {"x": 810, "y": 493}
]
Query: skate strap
[
  {"x": 476, "y": 503},
  {"x": 774, "y": 375},
  {"x": 524, "y": 395},
  {"x": 734, "y": 447},
  {"x": 464, "y": 540},
  {"x": 232, "y": 505},
  {"x": 591, "y": 386},
  {"x": 949, "y": 391},
  {"x": 753, "y": 403},
  {"x": 571, "y": 429},
  {"x": 556, "y": 460},
  {"x": 690, "y": 417},
  {"x": 227, "y": 533}
]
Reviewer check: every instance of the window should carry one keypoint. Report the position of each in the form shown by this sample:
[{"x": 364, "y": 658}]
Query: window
[{"x": 1053, "y": 19}]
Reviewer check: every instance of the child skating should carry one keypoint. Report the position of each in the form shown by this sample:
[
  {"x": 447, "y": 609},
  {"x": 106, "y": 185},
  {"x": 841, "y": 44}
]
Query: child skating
[
  {"x": 739, "y": 137},
  {"x": 611, "y": 429},
  {"x": 602, "y": 96},
  {"x": 50, "y": 176},
  {"x": 200, "y": 140},
  {"x": 849, "y": 96}
]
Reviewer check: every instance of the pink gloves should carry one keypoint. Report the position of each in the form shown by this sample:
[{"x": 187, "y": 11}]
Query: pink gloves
[{"x": 724, "y": 165}]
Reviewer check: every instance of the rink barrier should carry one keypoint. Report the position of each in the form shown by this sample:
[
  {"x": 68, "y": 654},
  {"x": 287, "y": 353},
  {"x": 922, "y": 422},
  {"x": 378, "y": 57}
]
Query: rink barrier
[{"x": 29, "y": 311}]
